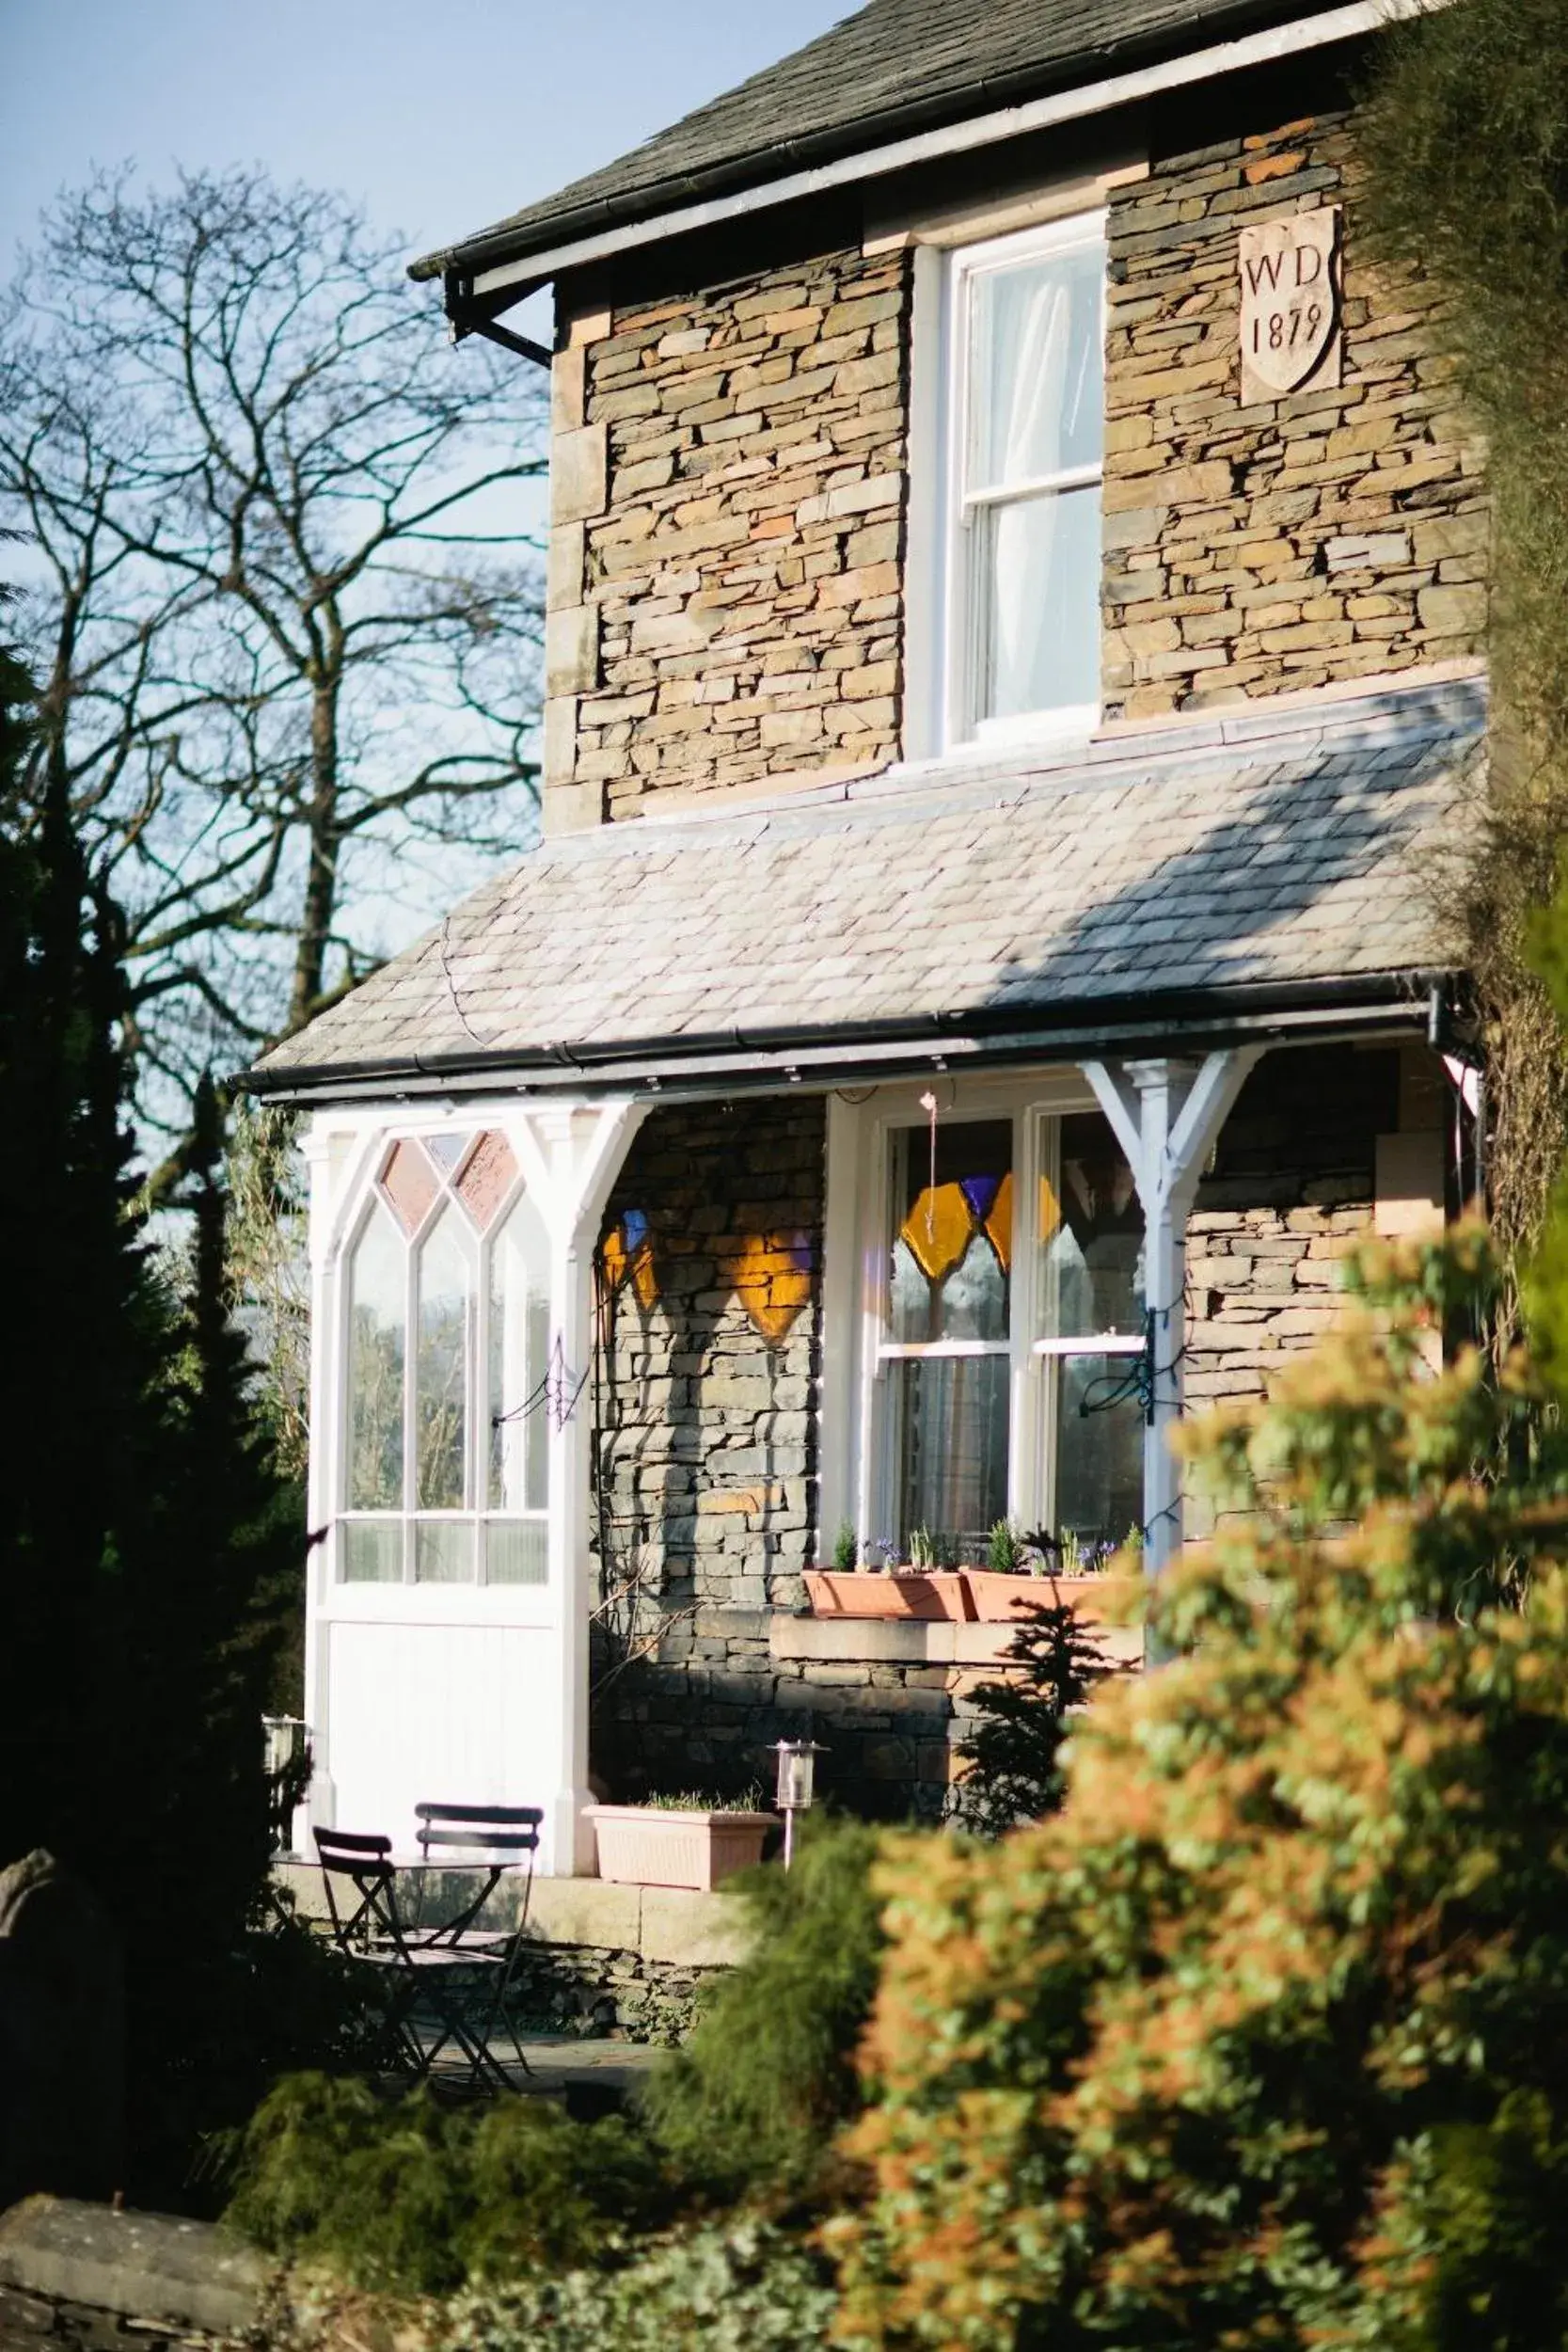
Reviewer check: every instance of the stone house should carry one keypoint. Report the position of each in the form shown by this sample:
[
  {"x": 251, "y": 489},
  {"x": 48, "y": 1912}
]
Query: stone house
[{"x": 1014, "y": 657}]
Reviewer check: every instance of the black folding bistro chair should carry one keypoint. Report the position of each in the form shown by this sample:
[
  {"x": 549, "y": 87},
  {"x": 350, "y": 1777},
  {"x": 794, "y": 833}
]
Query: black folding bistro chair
[
  {"x": 449, "y": 1980},
  {"x": 498, "y": 1839}
]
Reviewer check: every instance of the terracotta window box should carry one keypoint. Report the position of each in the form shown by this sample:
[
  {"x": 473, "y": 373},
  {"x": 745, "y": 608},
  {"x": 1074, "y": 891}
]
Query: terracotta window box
[
  {"x": 645, "y": 1844},
  {"x": 997, "y": 1599},
  {"x": 916, "y": 1593}
]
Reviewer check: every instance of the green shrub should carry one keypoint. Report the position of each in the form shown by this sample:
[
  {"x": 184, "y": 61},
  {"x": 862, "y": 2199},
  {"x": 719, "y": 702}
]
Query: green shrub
[
  {"x": 753, "y": 2099},
  {"x": 740, "y": 2286},
  {"x": 1263, "y": 2039},
  {"x": 1465, "y": 142},
  {"x": 414, "y": 2198},
  {"x": 1013, "y": 1753}
]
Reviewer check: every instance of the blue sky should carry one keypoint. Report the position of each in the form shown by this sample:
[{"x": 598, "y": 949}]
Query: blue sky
[{"x": 439, "y": 115}]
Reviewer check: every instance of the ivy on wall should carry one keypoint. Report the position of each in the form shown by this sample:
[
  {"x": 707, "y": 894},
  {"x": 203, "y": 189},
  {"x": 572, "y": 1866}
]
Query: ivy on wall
[{"x": 1465, "y": 142}]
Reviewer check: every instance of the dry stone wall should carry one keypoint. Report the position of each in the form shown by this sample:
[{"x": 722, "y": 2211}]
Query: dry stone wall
[
  {"x": 1323, "y": 537},
  {"x": 709, "y": 1353},
  {"x": 727, "y": 537}
]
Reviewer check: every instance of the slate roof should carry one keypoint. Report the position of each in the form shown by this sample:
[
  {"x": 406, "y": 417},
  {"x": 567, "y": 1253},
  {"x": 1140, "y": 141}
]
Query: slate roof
[
  {"x": 1265, "y": 849},
  {"x": 895, "y": 66}
]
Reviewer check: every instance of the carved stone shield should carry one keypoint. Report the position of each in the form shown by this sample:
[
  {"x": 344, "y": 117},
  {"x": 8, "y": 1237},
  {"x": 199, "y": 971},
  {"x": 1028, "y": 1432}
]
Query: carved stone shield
[{"x": 1289, "y": 272}]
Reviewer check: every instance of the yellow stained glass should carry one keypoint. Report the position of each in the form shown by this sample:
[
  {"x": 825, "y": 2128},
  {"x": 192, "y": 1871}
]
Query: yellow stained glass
[
  {"x": 773, "y": 1281},
  {"x": 625, "y": 1255},
  {"x": 938, "y": 1230},
  {"x": 1051, "y": 1209},
  {"x": 999, "y": 1225}
]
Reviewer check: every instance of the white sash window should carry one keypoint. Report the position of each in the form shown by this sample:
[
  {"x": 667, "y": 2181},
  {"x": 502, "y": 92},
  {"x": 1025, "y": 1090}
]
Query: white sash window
[
  {"x": 1025, "y": 318},
  {"x": 1001, "y": 1354}
]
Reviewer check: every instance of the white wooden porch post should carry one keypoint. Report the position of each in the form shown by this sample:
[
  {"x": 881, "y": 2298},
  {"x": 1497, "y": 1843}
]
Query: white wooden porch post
[
  {"x": 1166, "y": 1116},
  {"x": 583, "y": 1148}
]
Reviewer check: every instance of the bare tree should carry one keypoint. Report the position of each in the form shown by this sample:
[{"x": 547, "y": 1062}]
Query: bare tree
[{"x": 283, "y": 603}]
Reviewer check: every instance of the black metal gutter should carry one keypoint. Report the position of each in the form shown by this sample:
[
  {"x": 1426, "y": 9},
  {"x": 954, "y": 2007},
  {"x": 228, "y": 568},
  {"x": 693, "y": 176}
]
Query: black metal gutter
[
  {"x": 735, "y": 1059},
  {"x": 492, "y": 248}
]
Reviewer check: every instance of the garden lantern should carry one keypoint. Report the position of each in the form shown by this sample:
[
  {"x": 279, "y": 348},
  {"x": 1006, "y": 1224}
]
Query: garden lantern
[{"x": 797, "y": 1779}]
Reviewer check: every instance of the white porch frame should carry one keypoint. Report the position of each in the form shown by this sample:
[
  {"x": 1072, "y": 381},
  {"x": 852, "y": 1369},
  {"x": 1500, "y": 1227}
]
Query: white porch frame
[
  {"x": 570, "y": 1153},
  {"x": 1166, "y": 1115}
]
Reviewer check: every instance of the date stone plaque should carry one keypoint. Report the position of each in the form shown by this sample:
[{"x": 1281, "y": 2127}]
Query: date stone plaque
[{"x": 1289, "y": 272}]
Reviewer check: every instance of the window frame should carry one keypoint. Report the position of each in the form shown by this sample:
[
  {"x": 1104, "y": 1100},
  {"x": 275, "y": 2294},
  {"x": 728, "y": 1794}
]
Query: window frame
[
  {"x": 860, "y": 1468},
  {"x": 962, "y": 652},
  {"x": 477, "y": 1248}
]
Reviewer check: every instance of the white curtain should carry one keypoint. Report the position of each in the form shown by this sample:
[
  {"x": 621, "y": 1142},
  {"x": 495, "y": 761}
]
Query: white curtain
[{"x": 1038, "y": 376}]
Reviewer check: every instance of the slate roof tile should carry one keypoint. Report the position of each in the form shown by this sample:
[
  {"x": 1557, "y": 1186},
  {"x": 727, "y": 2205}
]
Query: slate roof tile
[
  {"x": 892, "y": 67},
  {"x": 1145, "y": 865}
]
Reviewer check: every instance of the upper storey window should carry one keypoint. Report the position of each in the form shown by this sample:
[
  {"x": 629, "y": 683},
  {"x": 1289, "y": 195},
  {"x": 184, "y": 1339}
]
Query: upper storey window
[{"x": 1026, "y": 407}]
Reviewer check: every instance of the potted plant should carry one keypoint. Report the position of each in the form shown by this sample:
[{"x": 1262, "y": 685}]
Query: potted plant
[
  {"x": 692, "y": 1840},
  {"x": 1008, "y": 1584},
  {"x": 921, "y": 1589}
]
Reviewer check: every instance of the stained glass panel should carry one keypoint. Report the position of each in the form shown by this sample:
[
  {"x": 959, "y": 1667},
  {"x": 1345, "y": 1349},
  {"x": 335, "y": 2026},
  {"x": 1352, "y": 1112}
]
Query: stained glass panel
[
  {"x": 445, "y": 1151},
  {"x": 409, "y": 1182},
  {"x": 487, "y": 1178},
  {"x": 951, "y": 1256}
]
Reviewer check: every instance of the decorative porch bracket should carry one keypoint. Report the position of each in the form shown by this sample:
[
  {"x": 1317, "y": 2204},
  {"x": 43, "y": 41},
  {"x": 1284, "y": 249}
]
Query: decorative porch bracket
[
  {"x": 577, "y": 1151},
  {"x": 1166, "y": 1116}
]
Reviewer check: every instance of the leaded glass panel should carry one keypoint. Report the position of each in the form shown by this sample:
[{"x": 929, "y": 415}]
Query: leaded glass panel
[{"x": 952, "y": 1249}]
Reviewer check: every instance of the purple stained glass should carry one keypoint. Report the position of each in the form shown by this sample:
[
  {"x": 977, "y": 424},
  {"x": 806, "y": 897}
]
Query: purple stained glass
[{"x": 981, "y": 1192}]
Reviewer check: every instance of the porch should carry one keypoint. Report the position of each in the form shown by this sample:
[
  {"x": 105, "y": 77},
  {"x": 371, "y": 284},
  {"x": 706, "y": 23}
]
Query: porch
[{"x": 610, "y": 1348}]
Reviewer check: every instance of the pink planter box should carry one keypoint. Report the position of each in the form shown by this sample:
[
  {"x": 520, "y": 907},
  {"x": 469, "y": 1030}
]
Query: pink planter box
[
  {"x": 922, "y": 1593},
  {"x": 997, "y": 1599},
  {"x": 641, "y": 1845}
]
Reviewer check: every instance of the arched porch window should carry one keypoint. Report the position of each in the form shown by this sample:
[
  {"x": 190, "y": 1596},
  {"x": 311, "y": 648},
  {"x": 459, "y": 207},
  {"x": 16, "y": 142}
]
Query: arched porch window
[{"x": 447, "y": 1344}]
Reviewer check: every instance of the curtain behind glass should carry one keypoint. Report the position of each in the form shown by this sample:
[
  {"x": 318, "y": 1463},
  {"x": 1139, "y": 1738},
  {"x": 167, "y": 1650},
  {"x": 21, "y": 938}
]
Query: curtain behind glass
[{"x": 1037, "y": 403}]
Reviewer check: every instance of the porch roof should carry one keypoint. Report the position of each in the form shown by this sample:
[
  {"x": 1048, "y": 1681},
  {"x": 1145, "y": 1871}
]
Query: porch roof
[{"x": 1271, "y": 855}]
